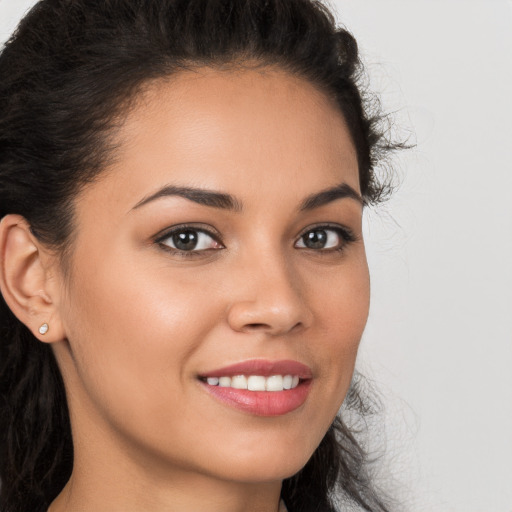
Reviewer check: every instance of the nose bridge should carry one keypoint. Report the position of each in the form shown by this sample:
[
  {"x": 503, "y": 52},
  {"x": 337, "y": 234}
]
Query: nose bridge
[{"x": 269, "y": 294}]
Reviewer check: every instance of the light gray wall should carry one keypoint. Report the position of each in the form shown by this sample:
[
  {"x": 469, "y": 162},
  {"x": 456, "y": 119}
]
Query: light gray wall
[{"x": 439, "y": 337}]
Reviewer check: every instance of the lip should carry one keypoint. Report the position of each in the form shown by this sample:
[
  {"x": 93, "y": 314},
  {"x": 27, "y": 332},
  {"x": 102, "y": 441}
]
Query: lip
[
  {"x": 261, "y": 403},
  {"x": 264, "y": 368}
]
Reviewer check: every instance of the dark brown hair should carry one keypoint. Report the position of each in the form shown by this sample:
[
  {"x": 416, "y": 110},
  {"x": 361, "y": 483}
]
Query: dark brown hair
[{"x": 66, "y": 76}]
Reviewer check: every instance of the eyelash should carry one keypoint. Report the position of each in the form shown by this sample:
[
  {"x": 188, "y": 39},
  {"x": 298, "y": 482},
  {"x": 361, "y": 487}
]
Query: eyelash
[{"x": 346, "y": 235}]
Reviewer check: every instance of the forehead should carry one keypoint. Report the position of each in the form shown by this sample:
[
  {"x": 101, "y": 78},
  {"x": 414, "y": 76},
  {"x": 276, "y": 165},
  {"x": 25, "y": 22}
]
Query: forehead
[{"x": 248, "y": 130}]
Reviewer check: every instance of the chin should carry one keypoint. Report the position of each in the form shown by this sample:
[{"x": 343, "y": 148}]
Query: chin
[{"x": 267, "y": 465}]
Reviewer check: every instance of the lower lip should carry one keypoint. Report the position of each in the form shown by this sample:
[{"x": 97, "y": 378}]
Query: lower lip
[{"x": 262, "y": 403}]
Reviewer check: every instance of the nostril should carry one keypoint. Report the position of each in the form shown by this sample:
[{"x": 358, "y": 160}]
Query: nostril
[
  {"x": 267, "y": 327},
  {"x": 264, "y": 315}
]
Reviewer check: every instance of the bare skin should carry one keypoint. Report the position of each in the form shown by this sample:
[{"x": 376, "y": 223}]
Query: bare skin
[{"x": 135, "y": 322}]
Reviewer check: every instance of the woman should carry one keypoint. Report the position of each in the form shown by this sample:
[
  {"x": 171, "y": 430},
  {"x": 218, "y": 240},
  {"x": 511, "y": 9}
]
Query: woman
[{"x": 183, "y": 272}]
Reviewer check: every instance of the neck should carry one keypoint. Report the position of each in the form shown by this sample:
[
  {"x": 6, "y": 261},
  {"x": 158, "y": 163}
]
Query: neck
[{"x": 91, "y": 492}]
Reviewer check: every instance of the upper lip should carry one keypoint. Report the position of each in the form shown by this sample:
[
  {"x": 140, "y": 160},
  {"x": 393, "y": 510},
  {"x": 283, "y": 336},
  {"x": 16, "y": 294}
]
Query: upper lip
[{"x": 262, "y": 367}]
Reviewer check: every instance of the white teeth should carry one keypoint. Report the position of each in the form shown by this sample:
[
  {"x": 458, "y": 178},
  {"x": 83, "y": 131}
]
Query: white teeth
[
  {"x": 274, "y": 383},
  {"x": 225, "y": 382},
  {"x": 239, "y": 382},
  {"x": 256, "y": 382}
]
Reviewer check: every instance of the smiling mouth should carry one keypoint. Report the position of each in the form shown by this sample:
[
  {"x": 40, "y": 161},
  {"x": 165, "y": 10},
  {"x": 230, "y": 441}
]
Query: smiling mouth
[
  {"x": 260, "y": 387},
  {"x": 255, "y": 382}
]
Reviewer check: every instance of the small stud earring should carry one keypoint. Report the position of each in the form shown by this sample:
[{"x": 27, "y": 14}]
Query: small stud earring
[{"x": 43, "y": 329}]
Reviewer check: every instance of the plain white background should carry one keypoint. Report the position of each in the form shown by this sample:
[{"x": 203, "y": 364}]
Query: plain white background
[{"x": 439, "y": 338}]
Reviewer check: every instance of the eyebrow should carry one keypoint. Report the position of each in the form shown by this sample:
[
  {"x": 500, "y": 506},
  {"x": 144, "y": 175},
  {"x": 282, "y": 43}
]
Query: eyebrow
[
  {"x": 341, "y": 191},
  {"x": 201, "y": 196},
  {"x": 224, "y": 201}
]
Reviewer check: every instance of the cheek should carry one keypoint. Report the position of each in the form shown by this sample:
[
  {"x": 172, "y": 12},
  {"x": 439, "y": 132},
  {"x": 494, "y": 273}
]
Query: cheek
[
  {"x": 132, "y": 329},
  {"x": 342, "y": 312}
]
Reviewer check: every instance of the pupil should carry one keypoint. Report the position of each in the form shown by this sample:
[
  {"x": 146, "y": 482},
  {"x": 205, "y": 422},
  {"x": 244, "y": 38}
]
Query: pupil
[
  {"x": 316, "y": 239},
  {"x": 185, "y": 241}
]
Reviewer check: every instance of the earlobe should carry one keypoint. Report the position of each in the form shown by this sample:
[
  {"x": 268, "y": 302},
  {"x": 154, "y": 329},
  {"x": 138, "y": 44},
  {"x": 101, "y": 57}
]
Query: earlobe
[{"x": 25, "y": 282}]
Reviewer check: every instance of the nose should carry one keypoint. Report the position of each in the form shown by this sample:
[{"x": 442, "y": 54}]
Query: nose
[{"x": 270, "y": 298}]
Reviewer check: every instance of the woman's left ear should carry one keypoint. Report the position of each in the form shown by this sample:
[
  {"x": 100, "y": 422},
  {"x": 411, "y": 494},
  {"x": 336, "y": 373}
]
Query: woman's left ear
[{"x": 27, "y": 280}]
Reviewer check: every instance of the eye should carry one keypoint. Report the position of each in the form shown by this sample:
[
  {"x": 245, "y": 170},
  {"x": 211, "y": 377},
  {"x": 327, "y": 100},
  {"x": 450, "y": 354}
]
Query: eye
[
  {"x": 326, "y": 238},
  {"x": 187, "y": 239}
]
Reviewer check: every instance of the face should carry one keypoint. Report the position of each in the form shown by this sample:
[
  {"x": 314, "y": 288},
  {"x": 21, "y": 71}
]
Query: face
[{"x": 222, "y": 250}]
